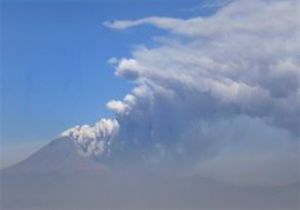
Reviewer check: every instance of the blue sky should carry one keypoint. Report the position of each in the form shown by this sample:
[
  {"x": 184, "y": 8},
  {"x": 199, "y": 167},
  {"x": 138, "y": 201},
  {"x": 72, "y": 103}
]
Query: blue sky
[{"x": 55, "y": 72}]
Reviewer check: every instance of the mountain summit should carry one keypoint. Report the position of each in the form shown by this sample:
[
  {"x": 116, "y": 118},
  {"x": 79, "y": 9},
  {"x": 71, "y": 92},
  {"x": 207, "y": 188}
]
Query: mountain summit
[{"x": 60, "y": 155}]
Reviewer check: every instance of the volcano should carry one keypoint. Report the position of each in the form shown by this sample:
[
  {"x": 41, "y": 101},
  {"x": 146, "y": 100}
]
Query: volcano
[{"x": 57, "y": 177}]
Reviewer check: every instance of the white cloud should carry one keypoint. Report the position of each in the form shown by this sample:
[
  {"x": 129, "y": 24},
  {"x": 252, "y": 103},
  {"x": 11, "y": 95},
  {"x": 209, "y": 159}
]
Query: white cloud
[
  {"x": 241, "y": 61},
  {"x": 163, "y": 22},
  {"x": 191, "y": 91},
  {"x": 240, "y": 16},
  {"x": 237, "y": 56},
  {"x": 117, "y": 106},
  {"x": 93, "y": 140}
]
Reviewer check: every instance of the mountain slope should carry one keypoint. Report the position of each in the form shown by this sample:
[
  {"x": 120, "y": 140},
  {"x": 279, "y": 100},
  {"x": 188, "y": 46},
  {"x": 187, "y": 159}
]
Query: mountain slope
[
  {"x": 59, "y": 155},
  {"x": 58, "y": 178}
]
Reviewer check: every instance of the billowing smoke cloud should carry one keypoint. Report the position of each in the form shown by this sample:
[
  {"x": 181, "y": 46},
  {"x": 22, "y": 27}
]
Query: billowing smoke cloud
[
  {"x": 117, "y": 106},
  {"x": 238, "y": 57},
  {"x": 238, "y": 65},
  {"x": 93, "y": 140}
]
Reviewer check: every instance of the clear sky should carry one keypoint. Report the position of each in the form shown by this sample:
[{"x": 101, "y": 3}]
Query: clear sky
[{"x": 54, "y": 66}]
